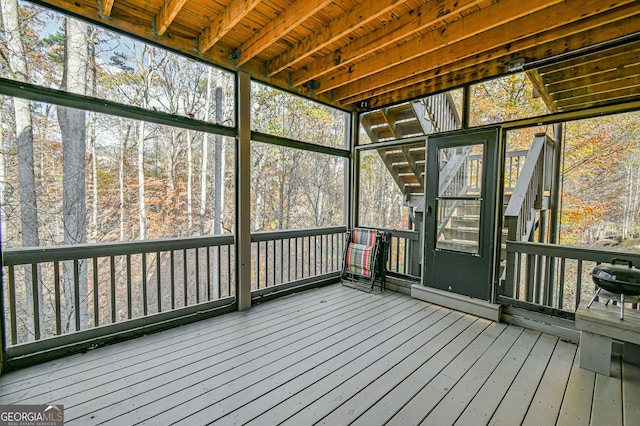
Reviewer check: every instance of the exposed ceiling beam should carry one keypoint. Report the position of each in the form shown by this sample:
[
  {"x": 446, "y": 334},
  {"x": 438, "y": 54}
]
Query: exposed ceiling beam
[
  {"x": 105, "y": 7},
  {"x": 419, "y": 19},
  {"x": 493, "y": 44},
  {"x": 630, "y": 57},
  {"x": 539, "y": 86},
  {"x": 363, "y": 13},
  {"x": 231, "y": 15},
  {"x": 465, "y": 28},
  {"x": 603, "y": 86},
  {"x": 167, "y": 15},
  {"x": 599, "y": 99},
  {"x": 492, "y": 64},
  {"x": 277, "y": 28},
  {"x": 615, "y": 75},
  {"x": 613, "y": 53}
]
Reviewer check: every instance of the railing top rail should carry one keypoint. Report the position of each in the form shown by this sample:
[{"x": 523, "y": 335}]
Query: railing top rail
[
  {"x": 527, "y": 174},
  {"x": 28, "y": 255},
  {"x": 295, "y": 233},
  {"x": 578, "y": 253}
]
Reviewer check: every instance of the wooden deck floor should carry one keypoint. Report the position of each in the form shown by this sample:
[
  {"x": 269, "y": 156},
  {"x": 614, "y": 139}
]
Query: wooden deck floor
[{"x": 334, "y": 356}]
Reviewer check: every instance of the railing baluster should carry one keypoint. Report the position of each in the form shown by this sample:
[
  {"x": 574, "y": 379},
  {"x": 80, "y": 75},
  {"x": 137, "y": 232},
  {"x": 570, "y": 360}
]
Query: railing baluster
[
  {"x": 258, "y": 265},
  {"x": 158, "y": 281},
  {"x": 281, "y": 260},
  {"x": 274, "y": 262},
  {"x": 308, "y": 256},
  {"x": 76, "y": 290},
  {"x": 12, "y": 305},
  {"x": 208, "y": 268},
  {"x": 579, "y": 283},
  {"x": 112, "y": 261},
  {"x": 184, "y": 273},
  {"x": 129, "y": 292},
  {"x": 561, "y": 289},
  {"x": 172, "y": 271},
  {"x": 197, "y": 260},
  {"x": 36, "y": 301},
  {"x": 56, "y": 292},
  {"x": 228, "y": 270},
  {"x": 144, "y": 284},
  {"x": 296, "y": 258},
  {"x": 96, "y": 291},
  {"x": 266, "y": 264}
]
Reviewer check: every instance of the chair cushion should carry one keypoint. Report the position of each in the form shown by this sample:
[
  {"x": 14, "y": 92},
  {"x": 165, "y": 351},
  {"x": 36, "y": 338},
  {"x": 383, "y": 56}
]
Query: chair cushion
[
  {"x": 362, "y": 236},
  {"x": 359, "y": 259}
]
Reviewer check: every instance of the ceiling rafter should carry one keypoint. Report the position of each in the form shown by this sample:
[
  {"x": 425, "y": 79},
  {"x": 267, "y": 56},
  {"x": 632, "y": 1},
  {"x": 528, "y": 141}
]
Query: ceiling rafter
[
  {"x": 600, "y": 85},
  {"x": 360, "y": 15},
  {"x": 613, "y": 75},
  {"x": 466, "y": 71},
  {"x": 167, "y": 14},
  {"x": 609, "y": 54},
  {"x": 231, "y": 15},
  {"x": 551, "y": 24},
  {"x": 456, "y": 32},
  {"x": 277, "y": 28},
  {"x": 539, "y": 86},
  {"x": 419, "y": 19},
  {"x": 105, "y": 7},
  {"x": 629, "y": 57}
]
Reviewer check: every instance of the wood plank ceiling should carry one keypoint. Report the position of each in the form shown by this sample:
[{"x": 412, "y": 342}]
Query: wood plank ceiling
[{"x": 343, "y": 52}]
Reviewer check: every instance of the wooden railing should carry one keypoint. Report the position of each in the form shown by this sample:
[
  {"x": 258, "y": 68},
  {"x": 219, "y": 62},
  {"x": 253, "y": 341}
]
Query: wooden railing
[
  {"x": 552, "y": 276},
  {"x": 85, "y": 286},
  {"x": 529, "y": 194},
  {"x": 404, "y": 253},
  {"x": 96, "y": 286},
  {"x": 284, "y": 257}
]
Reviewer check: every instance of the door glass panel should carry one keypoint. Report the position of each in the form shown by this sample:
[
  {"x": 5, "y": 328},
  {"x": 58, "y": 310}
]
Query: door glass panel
[
  {"x": 459, "y": 225},
  {"x": 459, "y": 198}
]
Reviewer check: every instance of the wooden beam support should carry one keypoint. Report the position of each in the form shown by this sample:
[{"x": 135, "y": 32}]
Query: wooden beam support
[
  {"x": 275, "y": 29},
  {"x": 167, "y": 14},
  {"x": 231, "y": 15},
  {"x": 424, "y": 17},
  {"x": 603, "y": 80},
  {"x": 501, "y": 17},
  {"x": 613, "y": 53},
  {"x": 589, "y": 100},
  {"x": 589, "y": 68},
  {"x": 363, "y": 13},
  {"x": 596, "y": 29},
  {"x": 105, "y": 7},
  {"x": 538, "y": 84},
  {"x": 486, "y": 66}
]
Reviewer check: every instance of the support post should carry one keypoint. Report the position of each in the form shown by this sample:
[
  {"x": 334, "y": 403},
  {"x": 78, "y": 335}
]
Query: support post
[
  {"x": 243, "y": 193},
  {"x": 353, "y": 176},
  {"x": 466, "y": 106},
  {"x": 554, "y": 202}
]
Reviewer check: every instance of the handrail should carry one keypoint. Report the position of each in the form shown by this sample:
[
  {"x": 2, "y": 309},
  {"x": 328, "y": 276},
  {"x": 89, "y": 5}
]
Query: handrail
[
  {"x": 90, "y": 286},
  {"x": 529, "y": 190},
  {"x": 28, "y": 255},
  {"x": 531, "y": 281}
]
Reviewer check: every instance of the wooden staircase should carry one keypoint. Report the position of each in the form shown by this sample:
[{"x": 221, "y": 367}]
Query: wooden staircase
[{"x": 406, "y": 164}]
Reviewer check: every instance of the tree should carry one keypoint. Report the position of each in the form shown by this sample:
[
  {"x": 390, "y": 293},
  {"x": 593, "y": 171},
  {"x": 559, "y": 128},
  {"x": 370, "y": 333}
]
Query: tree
[
  {"x": 24, "y": 135},
  {"x": 73, "y": 130}
]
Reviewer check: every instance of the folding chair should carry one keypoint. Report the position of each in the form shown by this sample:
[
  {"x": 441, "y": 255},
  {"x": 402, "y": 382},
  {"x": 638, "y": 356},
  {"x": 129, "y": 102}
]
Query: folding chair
[{"x": 365, "y": 259}]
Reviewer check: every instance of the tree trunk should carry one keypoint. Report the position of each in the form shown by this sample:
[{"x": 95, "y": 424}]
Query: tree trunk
[
  {"x": 218, "y": 168},
  {"x": 73, "y": 130},
  {"x": 205, "y": 158},
  {"x": 189, "y": 188},
  {"x": 141, "y": 197},
  {"x": 24, "y": 135}
]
